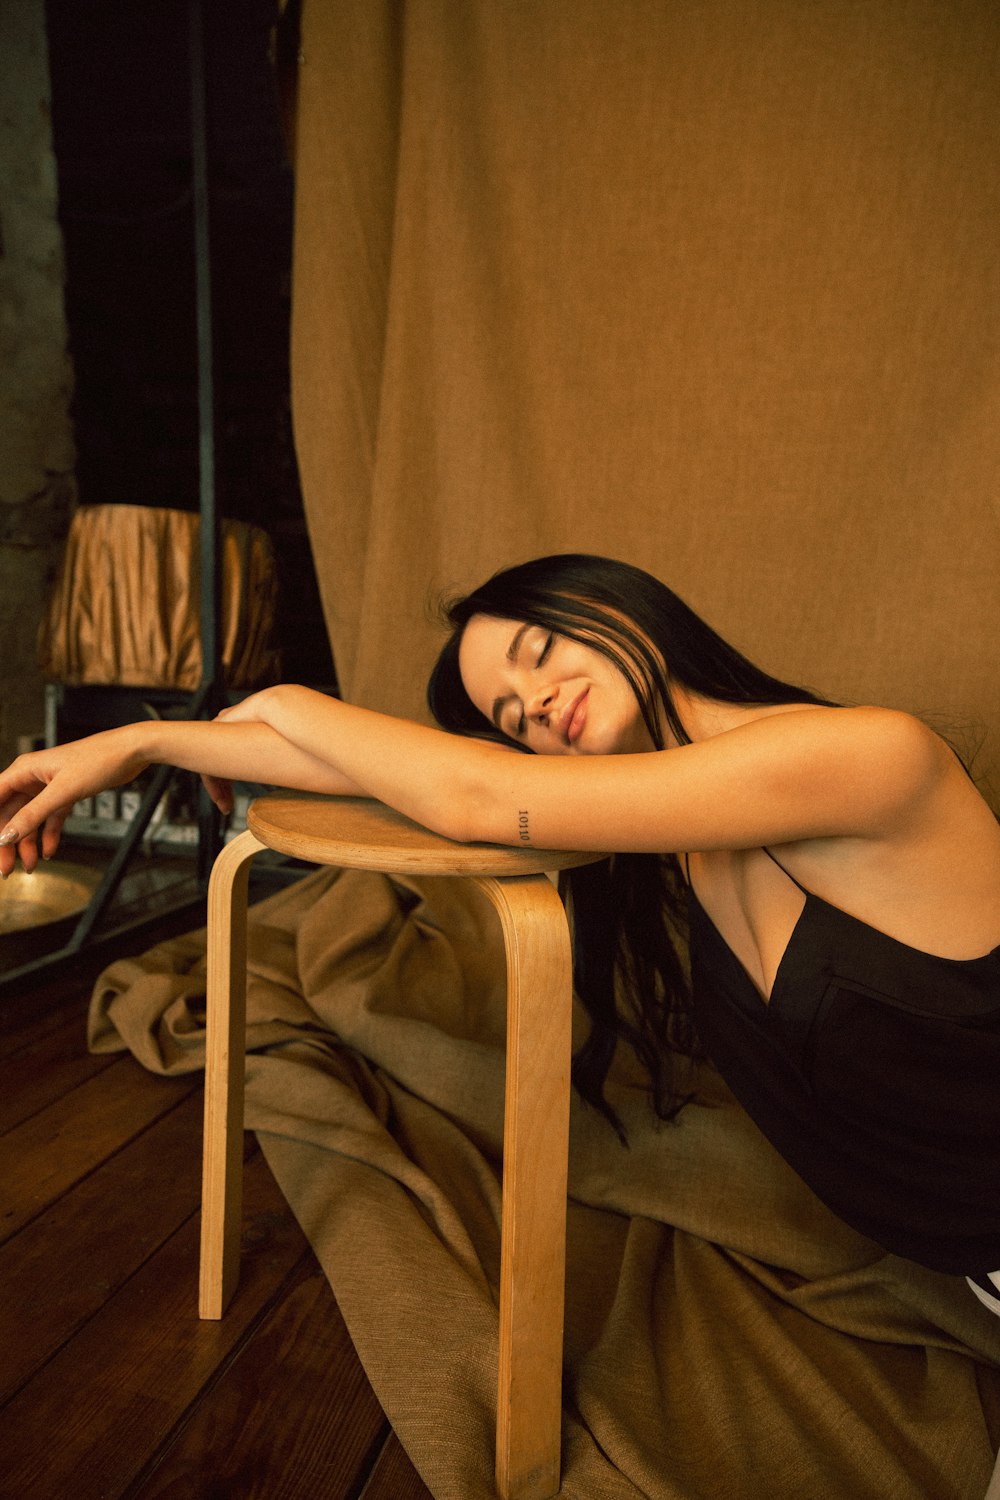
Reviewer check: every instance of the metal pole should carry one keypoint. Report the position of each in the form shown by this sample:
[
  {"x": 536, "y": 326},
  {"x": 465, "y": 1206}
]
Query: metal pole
[
  {"x": 108, "y": 888},
  {"x": 209, "y": 837}
]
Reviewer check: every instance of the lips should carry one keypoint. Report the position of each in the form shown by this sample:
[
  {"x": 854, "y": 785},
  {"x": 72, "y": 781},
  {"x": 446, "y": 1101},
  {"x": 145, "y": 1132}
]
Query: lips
[{"x": 575, "y": 717}]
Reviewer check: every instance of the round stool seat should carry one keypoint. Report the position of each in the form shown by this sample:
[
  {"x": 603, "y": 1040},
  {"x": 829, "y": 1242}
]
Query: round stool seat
[{"x": 359, "y": 833}]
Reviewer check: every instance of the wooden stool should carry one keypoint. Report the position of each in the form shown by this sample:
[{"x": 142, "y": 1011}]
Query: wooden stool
[{"x": 361, "y": 834}]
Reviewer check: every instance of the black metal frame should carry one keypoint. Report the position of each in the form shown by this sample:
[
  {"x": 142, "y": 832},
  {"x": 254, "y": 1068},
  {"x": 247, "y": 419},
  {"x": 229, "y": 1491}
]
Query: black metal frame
[{"x": 209, "y": 697}]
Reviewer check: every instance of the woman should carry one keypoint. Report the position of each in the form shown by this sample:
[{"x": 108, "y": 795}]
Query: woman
[{"x": 844, "y": 872}]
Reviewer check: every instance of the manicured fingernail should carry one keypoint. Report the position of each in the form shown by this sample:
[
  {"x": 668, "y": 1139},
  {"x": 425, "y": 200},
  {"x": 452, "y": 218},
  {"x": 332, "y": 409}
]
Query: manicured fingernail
[{"x": 9, "y": 836}]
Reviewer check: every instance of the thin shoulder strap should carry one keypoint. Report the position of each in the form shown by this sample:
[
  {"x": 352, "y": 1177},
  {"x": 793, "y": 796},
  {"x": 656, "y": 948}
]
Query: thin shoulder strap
[{"x": 784, "y": 871}]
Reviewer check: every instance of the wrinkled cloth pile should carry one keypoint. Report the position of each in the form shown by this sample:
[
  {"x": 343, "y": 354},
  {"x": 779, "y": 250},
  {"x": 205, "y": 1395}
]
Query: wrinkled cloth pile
[{"x": 726, "y": 1335}]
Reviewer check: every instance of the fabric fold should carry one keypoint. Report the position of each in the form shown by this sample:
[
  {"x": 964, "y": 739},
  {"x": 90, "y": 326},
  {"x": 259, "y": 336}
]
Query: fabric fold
[{"x": 726, "y": 1335}]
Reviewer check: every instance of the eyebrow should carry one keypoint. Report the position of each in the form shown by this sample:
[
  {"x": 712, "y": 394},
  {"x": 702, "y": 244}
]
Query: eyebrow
[{"x": 499, "y": 704}]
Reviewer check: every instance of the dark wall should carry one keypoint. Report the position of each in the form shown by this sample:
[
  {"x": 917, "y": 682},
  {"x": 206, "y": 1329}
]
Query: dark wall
[{"x": 121, "y": 124}]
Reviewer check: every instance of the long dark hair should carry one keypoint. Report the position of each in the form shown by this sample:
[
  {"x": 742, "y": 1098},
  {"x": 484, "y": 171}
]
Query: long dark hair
[{"x": 629, "y": 912}]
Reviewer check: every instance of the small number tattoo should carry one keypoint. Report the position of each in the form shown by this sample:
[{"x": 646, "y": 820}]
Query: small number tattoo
[{"x": 522, "y": 828}]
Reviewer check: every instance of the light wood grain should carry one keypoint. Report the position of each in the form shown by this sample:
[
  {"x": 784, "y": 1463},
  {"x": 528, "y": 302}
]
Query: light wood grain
[
  {"x": 366, "y": 835},
  {"x": 535, "y": 1156},
  {"x": 363, "y": 834},
  {"x": 225, "y": 1066}
]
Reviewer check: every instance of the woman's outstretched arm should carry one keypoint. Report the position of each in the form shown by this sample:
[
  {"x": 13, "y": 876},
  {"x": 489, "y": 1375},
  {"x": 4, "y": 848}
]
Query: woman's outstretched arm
[
  {"x": 38, "y": 790},
  {"x": 812, "y": 773},
  {"x": 806, "y": 773}
]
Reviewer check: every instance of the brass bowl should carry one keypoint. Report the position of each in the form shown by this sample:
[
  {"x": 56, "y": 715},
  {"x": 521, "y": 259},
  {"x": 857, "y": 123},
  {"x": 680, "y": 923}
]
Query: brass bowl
[{"x": 55, "y": 891}]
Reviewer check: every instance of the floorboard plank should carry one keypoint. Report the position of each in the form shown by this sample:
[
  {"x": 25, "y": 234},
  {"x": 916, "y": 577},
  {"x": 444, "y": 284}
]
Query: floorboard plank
[
  {"x": 25, "y": 1025},
  {"x": 394, "y": 1477},
  {"x": 292, "y": 1418},
  {"x": 44, "y": 1156},
  {"x": 104, "y": 1228},
  {"x": 45, "y": 1067},
  {"x": 111, "y": 1388},
  {"x": 92, "y": 1418}
]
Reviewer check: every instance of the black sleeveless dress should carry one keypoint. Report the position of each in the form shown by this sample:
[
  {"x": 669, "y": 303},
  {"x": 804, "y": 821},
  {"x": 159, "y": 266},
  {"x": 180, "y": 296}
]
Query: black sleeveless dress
[{"x": 875, "y": 1072}]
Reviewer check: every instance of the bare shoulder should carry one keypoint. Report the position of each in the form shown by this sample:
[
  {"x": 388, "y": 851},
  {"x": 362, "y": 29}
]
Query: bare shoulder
[
  {"x": 897, "y": 753},
  {"x": 924, "y": 864},
  {"x": 869, "y": 728},
  {"x": 878, "y": 765},
  {"x": 912, "y": 766},
  {"x": 905, "y": 749},
  {"x": 910, "y": 792}
]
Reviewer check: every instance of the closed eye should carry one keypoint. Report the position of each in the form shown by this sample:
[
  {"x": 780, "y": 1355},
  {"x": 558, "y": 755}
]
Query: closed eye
[
  {"x": 522, "y": 723},
  {"x": 502, "y": 703}
]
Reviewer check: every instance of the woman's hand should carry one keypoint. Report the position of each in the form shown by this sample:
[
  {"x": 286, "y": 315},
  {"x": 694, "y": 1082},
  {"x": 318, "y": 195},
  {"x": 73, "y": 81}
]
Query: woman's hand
[
  {"x": 251, "y": 710},
  {"x": 220, "y": 790},
  {"x": 258, "y": 708},
  {"x": 38, "y": 790}
]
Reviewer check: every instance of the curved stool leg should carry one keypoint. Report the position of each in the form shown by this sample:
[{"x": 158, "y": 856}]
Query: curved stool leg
[
  {"x": 536, "y": 1148},
  {"x": 225, "y": 1048}
]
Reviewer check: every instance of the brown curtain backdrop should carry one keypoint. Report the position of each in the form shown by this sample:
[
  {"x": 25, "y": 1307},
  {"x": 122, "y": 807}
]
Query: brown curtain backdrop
[{"x": 709, "y": 287}]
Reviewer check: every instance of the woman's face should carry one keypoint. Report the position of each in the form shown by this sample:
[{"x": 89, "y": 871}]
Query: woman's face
[{"x": 547, "y": 692}]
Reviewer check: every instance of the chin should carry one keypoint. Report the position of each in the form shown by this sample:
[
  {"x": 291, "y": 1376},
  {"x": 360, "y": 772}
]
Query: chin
[{"x": 597, "y": 744}]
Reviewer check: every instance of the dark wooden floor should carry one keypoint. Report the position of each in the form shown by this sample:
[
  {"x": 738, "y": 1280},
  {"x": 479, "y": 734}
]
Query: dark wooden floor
[{"x": 110, "y": 1386}]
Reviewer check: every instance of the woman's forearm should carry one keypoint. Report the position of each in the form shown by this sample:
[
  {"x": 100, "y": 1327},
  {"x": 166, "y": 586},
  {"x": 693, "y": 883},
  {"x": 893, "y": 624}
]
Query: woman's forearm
[
  {"x": 240, "y": 752},
  {"x": 433, "y": 777},
  {"x": 39, "y": 789},
  {"x": 290, "y": 737}
]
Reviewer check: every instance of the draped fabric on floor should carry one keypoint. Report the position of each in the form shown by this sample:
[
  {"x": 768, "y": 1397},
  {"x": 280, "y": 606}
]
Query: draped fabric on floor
[
  {"x": 710, "y": 287},
  {"x": 726, "y": 1334}
]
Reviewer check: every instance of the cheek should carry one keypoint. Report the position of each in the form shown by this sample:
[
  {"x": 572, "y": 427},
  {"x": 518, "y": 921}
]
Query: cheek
[
  {"x": 540, "y": 742},
  {"x": 627, "y": 725}
]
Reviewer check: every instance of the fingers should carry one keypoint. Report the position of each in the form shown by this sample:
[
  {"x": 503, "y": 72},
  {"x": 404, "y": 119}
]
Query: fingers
[
  {"x": 28, "y": 853},
  {"x": 18, "y": 785},
  {"x": 23, "y": 846},
  {"x": 8, "y": 859},
  {"x": 52, "y": 832},
  {"x": 27, "y": 846},
  {"x": 236, "y": 713},
  {"x": 22, "y": 819},
  {"x": 39, "y": 790},
  {"x": 249, "y": 710},
  {"x": 14, "y": 827},
  {"x": 221, "y": 792}
]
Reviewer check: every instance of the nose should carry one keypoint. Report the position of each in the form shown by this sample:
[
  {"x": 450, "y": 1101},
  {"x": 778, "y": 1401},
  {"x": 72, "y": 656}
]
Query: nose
[{"x": 540, "y": 703}]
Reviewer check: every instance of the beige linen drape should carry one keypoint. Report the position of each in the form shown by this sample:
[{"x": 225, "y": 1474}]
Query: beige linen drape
[
  {"x": 711, "y": 287},
  {"x": 727, "y": 1338}
]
